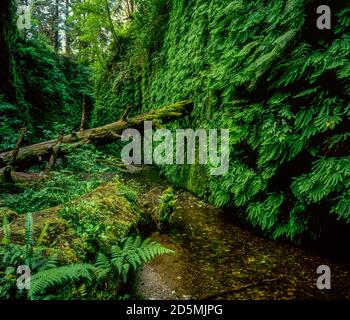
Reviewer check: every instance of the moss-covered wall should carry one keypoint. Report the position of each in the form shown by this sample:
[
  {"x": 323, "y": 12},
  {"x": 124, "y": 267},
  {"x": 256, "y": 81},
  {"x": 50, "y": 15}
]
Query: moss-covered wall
[{"x": 263, "y": 70}]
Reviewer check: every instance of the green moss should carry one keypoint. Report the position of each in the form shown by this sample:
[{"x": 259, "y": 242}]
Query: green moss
[
  {"x": 260, "y": 71},
  {"x": 78, "y": 229}
]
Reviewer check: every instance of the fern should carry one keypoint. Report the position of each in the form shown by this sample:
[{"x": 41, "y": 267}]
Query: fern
[
  {"x": 342, "y": 208},
  {"x": 13, "y": 255},
  {"x": 58, "y": 277},
  {"x": 29, "y": 238},
  {"x": 328, "y": 175},
  {"x": 131, "y": 253},
  {"x": 166, "y": 206},
  {"x": 265, "y": 214},
  {"x": 103, "y": 266}
]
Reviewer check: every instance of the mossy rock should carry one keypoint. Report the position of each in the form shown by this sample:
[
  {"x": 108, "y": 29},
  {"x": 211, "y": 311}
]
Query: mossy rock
[{"x": 115, "y": 210}]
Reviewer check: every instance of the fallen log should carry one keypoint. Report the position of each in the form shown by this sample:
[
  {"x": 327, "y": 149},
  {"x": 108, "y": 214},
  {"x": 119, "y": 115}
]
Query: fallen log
[
  {"x": 22, "y": 176},
  {"x": 33, "y": 154}
]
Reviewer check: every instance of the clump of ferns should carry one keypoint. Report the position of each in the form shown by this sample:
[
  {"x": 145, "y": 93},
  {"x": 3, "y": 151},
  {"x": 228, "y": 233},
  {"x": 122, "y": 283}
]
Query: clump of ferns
[
  {"x": 79, "y": 280},
  {"x": 102, "y": 279},
  {"x": 13, "y": 255},
  {"x": 125, "y": 258},
  {"x": 165, "y": 210}
]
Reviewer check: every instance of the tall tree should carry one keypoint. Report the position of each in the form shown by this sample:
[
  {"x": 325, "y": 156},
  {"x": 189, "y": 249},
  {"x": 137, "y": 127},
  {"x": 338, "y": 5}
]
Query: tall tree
[
  {"x": 49, "y": 20},
  {"x": 57, "y": 19},
  {"x": 67, "y": 28},
  {"x": 97, "y": 25}
]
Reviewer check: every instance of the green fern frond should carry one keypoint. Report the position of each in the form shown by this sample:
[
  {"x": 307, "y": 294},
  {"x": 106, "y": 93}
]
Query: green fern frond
[
  {"x": 29, "y": 237},
  {"x": 58, "y": 277},
  {"x": 133, "y": 252},
  {"x": 102, "y": 265},
  {"x": 342, "y": 208},
  {"x": 50, "y": 262}
]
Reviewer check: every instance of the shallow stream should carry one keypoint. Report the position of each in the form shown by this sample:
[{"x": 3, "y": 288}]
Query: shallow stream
[{"x": 218, "y": 259}]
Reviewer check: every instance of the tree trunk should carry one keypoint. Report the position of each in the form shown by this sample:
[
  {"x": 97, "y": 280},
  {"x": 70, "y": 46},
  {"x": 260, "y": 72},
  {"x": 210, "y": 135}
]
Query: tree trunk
[
  {"x": 57, "y": 26},
  {"x": 54, "y": 154},
  {"x": 66, "y": 29},
  {"x": 83, "y": 115},
  {"x": 111, "y": 24},
  {"x": 33, "y": 154},
  {"x": 18, "y": 145}
]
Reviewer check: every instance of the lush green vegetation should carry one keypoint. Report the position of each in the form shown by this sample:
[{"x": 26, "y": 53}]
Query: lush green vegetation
[
  {"x": 166, "y": 206},
  {"x": 258, "y": 68},
  {"x": 103, "y": 268},
  {"x": 52, "y": 88},
  {"x": 74, "y": 281},
  {"x": 279, "y": 84}
]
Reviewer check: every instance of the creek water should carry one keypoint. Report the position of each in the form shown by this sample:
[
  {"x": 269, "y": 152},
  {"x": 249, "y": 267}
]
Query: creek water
[{"x": 218, "y": 259}]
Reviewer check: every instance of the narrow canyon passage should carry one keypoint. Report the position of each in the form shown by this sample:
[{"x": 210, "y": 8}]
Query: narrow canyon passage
[{"x": 216, "y": 259}]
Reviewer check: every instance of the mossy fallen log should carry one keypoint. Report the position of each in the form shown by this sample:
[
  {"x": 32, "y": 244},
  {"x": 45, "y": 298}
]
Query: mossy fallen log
[
  {"x": 33, "y": 154},
  {"x": 76, "y": 230}
]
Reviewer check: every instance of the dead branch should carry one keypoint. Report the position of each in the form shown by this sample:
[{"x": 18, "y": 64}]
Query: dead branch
[{"x": 239, "y": 288}]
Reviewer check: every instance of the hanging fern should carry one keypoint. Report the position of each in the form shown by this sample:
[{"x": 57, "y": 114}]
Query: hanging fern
[
  {"x": 259, "y": 69},
  {"x": 328, "y": 175},
  {"x": 342, "y": 208}
]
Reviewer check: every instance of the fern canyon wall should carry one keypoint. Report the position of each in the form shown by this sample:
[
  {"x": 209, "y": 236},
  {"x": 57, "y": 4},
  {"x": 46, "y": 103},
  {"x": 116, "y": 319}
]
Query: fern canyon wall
[{"x": 263, "y": 70}]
